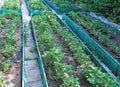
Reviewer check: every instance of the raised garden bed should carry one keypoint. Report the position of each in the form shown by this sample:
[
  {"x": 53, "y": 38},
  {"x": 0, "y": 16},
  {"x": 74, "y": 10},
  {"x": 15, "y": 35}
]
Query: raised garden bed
[
  {"x": 10, "y": 43},
  {"x": 11, "y": 5},
  {"x": 36, "y": 5},
  {"x": 52, "y": 54}
]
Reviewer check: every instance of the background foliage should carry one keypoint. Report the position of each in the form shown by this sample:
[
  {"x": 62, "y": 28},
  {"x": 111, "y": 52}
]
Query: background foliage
[{"x": 108, "y": 8}]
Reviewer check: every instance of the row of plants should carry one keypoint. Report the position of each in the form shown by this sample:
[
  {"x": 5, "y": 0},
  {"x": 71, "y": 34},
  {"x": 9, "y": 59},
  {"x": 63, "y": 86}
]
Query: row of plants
[
  {"x": 11, "y": 4},
  {"x": 9, "y": 23},
  {"x": 36, "y": 5},
  {"x": 52, "y": 54},
  {"x": 62, "y": 3},
  {"x": 92, "y": 73},
  {"x": 103, "y": 33},
  {"x": 108, "y": 8}
]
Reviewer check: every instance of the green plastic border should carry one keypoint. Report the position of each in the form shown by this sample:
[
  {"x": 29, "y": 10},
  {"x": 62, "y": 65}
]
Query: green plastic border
[
  {"x": 43, "y": 75},
  {"x": 9, "y": 11},
  {"x": 60, "y": 10},
  {"x": 106, "y": 58},
  {"x": 23, "y": 56}
]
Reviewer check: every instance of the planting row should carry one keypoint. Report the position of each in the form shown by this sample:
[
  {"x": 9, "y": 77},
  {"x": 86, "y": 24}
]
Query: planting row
[
  {"x": 104, "y": 34},
  {"x": 62, "y": 3},
  {"x": 108, "y": 8},
  {"x": 36, "y": 5},
  {"x": 56, "y": 71},
  {"x": 10, "y": 24},
  {"x": 11, "y": 4},
  {"x": 45, "y": 24}
]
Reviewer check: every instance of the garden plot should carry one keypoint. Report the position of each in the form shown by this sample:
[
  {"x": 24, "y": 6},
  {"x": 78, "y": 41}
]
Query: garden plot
[
  {"x": 65, "y": 71},
  {"x": 10, "y": 49},
  {"x": 36, "y": 5},
  {"x": 11, "y": 4},
  {"x": 104, "y": 35}
]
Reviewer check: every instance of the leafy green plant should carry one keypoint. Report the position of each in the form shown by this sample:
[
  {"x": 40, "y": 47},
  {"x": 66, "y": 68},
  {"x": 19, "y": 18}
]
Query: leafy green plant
[
  {"x": 2, "y": 82},
  {"x": 70, "y": 82},
  {"x": 6, "y": 65}
]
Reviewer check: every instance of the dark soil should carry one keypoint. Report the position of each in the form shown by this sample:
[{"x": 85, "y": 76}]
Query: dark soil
[{"x": 69, "y": 59}]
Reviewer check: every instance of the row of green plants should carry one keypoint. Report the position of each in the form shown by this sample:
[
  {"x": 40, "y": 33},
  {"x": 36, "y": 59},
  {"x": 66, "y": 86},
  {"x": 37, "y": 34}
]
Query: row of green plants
[
  {"x": 52, "y": 54},
  {"x": 107, "y": 8},
  {"x": 100, "y": 31},
  {"x": 9, "y": 23},
  {"x": 36, "y": 5},
  {"x": 11, "y": 4},
  {"x": 62, "y": 3},
  {"x": 93, "y": 74}
]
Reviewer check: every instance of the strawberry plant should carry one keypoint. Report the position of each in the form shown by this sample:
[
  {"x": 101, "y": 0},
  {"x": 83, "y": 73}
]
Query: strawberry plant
[
  {"x": 69, "y": 80},
  {"x": 2, "y": 82}
]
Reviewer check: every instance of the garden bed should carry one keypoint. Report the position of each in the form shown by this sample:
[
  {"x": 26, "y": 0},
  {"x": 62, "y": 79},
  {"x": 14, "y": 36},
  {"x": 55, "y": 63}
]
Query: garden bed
[
  {"x": 36, "y": 5},
  {"x": 109, "y": 9},
  {"x": 61, "y": 6},
  {"x": 57, "y": 72},
  {"x": 66, "y": 72},
  {"x": 102, "y": 34},
  {"x": 10, "y": 43},
  {"x": 11, "y": 4}
]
